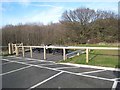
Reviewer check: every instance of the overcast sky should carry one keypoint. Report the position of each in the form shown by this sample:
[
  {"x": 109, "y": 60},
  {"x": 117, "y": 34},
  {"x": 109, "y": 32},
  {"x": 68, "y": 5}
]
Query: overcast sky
[{"x": 45, "y": 12}]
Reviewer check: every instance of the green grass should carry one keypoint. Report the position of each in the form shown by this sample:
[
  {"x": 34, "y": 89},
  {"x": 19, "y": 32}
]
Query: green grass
[
  {"x": 106, "y": 58},
  {"x": 102, "y": 44}
]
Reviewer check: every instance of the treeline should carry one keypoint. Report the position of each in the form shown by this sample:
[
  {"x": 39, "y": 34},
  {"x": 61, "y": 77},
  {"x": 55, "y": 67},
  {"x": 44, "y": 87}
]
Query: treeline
[
  {"x": 82, "y": 25},
  {"x": 33, "y": 34}
]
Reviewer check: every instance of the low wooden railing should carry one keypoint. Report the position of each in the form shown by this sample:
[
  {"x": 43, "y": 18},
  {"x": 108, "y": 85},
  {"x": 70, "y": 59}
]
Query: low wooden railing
[{"x": 87, "y": 49}]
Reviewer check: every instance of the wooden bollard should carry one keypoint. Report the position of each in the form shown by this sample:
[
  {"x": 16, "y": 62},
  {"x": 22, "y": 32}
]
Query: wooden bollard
[
  {"x": 12, "y": 47},
  {"x": 21, "y": 44},
  {"x": 16, "y": 50},
  {"x": 64, "y": 56},
  {"x": 31, "y": 52},
  {"x": 9, "y": 48},
  {"x": 44, "y": 52},
  {"x": 87, "y": 55}
]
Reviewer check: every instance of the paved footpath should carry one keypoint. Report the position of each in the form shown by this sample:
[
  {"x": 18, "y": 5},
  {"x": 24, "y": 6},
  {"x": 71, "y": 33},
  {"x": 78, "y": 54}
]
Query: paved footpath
[{"x": 18, "y": 72}]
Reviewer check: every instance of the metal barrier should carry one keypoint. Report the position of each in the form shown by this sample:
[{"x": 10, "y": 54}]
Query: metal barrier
[{"x": 74, "y": 53}]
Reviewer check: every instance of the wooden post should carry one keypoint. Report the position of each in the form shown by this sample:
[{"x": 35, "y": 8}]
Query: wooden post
[
  {"x": 12, "y": 48},
  {"x": 21, "y": 44},
  {"x": 16, "y": 50},
  {"x": 31, "y": 52},
  {"x": 23, "y": 51},
  {"x": 44, "y": 53},
  {"x": 9, "y": 48},
  {"x": 87, "y": 54},
  {"x": 89, "y": 50},
  {"x": 78, "y": 54},
  {"x": 64, "y": 56}
]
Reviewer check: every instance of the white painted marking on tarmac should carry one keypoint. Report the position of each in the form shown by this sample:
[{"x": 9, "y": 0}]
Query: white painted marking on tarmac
[
  {"x": 96, "y": 77},
  {"x": 47, "y": 64},
  {"x": 28, "y": 61},
  {"x": 8, "y": 60},
  {"x": 90, "y": 66},
  {"x": 92, "y": 71},
  {"x": 35, "y": 59},
  {"x": 15, "y": 70},
  {"x": 46, "y": 80},
  {"x": 65, "y": 67},
  {"x": 116, "y": 79},
  {"x": 32, "y": 65},
  {"x": 65, "y": 71},
  {"x": 5, "y": 63},
  {"x": 31, "y": 59},
  {"x": 114, "y": 85}
]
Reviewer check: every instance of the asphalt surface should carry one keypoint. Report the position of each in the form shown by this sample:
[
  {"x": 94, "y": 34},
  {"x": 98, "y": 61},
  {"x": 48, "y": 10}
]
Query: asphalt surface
[
  {"x": 50, "y": 57},
  {"x": 18, "y": 72}
]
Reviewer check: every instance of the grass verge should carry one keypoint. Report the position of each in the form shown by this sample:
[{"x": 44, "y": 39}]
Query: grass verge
[{"x": 105, "y": 58}]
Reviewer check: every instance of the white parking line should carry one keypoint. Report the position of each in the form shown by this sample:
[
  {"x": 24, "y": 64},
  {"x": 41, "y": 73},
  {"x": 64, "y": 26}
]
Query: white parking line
[
  {"x": 32, "y": 65},
  {"x": 114, "y": 85},
  {"x": 7, "y": 60},
  {"x": 96, "y": 77},
  {"x": 34, "y": 86},
  {"x": 31, "y": 59},
  {"x": 116, "y": 79},
  {"x": 65, "y": 67},
  {"x": 47, "y": 64},
  {"x": 20, "y": 59},
  {"x": 65, "y": 71},
  {"x": 92, "y": 71},
  {"x": 90, "y": 66},
  {"x": 28, "y": 61},
  {"x": 35, "y": 59},
  {"x": 6, "y": 63},
  {"x": 15, "y": 70}
]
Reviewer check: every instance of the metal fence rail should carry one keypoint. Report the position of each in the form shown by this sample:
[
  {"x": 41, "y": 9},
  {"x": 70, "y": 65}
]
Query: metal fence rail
[{"x": 75, "y": 53}]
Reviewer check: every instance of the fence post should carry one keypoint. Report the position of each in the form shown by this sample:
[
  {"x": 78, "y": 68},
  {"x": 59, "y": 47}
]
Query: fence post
[
  {"x": 87, "y": 54},
  {"x": 64, "y": 56},
  {"x": 12, "y": 48},
  {"x": 16, "y": 50},
  {"x": 44, "y": 52},
  {"x": 23, "y": 51},
  {"x": 31, "y": 52},
  {"x": 9, "y": 48},
  {"x": 21, "y": 44}
]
